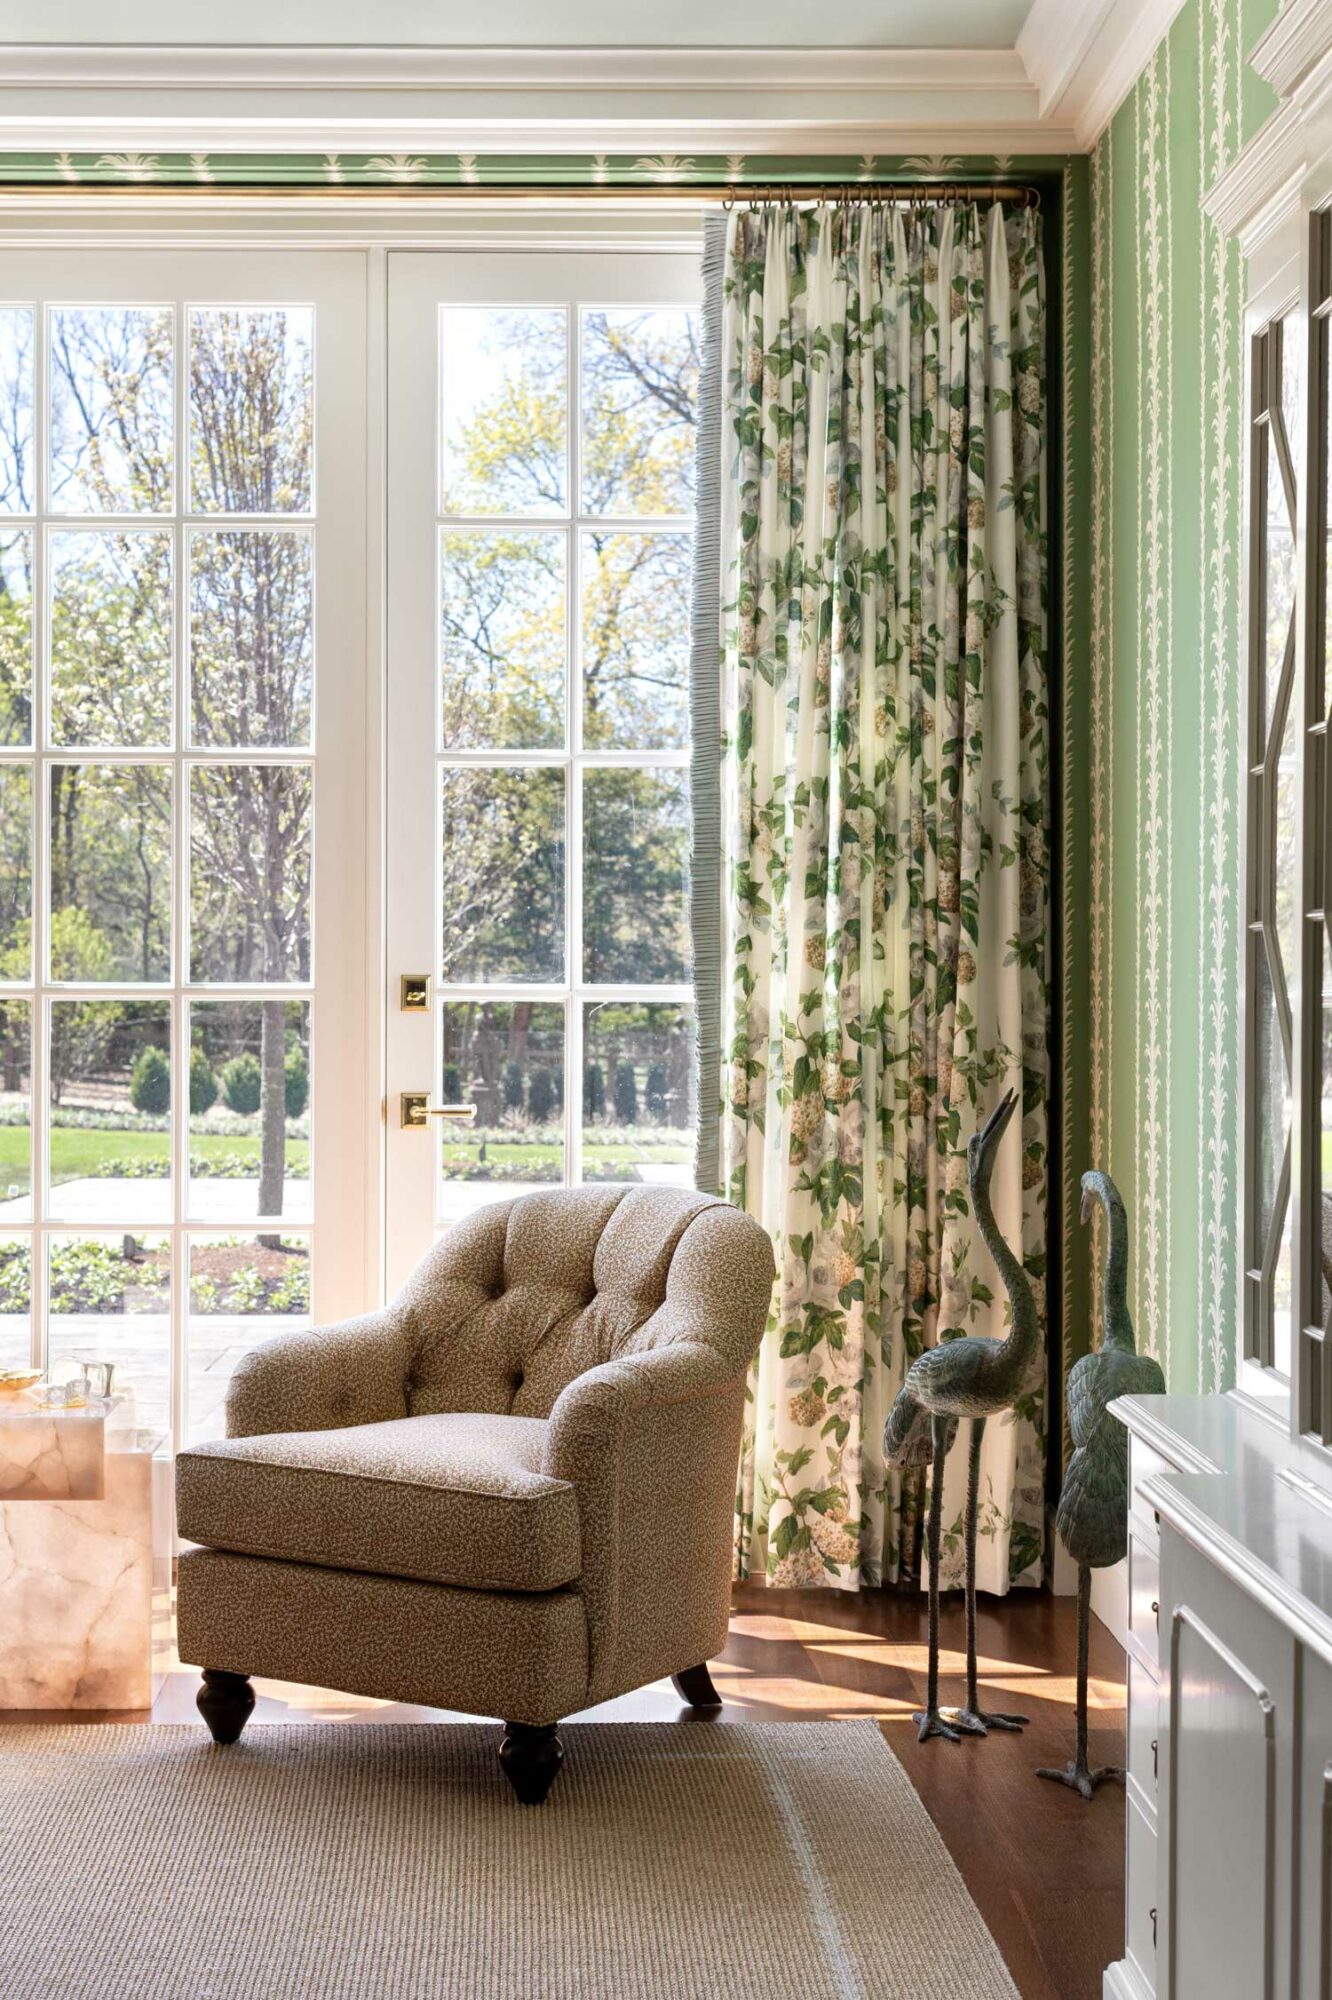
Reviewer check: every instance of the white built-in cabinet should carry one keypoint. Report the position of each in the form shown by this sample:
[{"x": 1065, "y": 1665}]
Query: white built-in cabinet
[{"x": 1229, "y": 1809}]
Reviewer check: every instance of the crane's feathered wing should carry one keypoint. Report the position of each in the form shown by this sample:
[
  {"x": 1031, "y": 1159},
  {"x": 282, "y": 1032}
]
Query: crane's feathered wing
[{"x": 1092, "y": 1520}]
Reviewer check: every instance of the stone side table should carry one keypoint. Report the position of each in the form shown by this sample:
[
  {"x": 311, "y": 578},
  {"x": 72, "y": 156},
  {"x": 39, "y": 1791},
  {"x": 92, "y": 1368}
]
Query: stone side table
[{"x": 76, "y": 1561}]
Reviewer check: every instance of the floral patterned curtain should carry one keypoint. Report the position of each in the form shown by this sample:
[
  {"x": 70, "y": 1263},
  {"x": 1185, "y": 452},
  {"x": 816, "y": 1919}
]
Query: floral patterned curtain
[{"x": 885, "y": 804}]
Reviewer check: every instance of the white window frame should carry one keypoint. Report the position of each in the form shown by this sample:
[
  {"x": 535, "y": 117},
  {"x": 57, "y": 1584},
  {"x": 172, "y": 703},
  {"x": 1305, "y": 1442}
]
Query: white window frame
[
  {"x": 419, "y": 285},
  {"x": 80, "y": 272}
]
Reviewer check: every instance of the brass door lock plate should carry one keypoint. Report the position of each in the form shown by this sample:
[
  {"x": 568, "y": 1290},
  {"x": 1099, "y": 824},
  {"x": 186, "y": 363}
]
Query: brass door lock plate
[{"x": 415, "y": 993}]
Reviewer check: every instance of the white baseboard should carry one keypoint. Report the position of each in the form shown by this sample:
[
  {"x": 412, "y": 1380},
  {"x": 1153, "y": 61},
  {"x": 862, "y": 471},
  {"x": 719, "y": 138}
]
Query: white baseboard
[{"x": 1123, "y": 1981}]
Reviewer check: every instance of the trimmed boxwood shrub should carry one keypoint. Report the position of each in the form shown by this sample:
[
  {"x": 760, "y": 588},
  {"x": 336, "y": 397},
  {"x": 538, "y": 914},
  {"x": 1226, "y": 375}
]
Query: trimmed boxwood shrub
[
  {"x": 297, "y": 1074},
  {"x": 242, "y": 1084},
  {"x": 203, "y": 1084},
  {"x": 150, "y": 1081},
  {"x": 541, "y": 1095}
]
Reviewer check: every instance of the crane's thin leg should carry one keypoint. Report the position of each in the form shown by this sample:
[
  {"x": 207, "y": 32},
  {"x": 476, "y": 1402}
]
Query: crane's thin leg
[
  {"x": 973, "y": 1719},
  {"x": 930, "y": 1721},
  {"x": 1076, "y": 1775}
]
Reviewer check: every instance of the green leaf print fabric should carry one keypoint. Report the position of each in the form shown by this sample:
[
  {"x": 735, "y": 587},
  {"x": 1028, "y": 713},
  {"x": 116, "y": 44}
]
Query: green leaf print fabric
[{"x": 885, "y": 808}]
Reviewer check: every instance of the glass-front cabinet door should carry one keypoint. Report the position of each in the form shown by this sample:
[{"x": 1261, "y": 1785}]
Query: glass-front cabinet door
[
  {"x": 182, "y": 535},
  {"x": 541, "y": 471}
]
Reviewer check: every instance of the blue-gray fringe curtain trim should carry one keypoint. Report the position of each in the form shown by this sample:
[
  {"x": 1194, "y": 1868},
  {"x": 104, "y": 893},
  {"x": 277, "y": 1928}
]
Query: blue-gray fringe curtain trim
[{"x": 705, "y": 719}]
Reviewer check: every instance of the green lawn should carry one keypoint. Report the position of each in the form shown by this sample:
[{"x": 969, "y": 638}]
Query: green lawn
[{"x": 76, "y": 1152}]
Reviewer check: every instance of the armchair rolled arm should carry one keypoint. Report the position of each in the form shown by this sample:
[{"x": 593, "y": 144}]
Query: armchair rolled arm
[
  {"x": 650, "y": 1444},
  {"x": 353, "y": 1372},
  {"x": 600, "y": 1402}
]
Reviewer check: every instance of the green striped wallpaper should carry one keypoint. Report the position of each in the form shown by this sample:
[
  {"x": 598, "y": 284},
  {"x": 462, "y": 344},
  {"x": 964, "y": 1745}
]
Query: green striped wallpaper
[{"x": 1154, "y": 703}]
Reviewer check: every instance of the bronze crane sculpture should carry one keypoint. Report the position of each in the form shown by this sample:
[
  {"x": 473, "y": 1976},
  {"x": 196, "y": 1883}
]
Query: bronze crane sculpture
[
  {"x": 1092, "y": 1520},
  {"x": 975, "y": 1377}
]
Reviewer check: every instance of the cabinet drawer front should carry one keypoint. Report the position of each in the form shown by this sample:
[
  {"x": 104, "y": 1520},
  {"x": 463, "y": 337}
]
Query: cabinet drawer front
[
  {"x": 1144, "y": 1464},
  {"x": 1142, "y": 1730},
  {"x": 1144, "y": 1599},
  {"x": 1140, "y": 1891}
]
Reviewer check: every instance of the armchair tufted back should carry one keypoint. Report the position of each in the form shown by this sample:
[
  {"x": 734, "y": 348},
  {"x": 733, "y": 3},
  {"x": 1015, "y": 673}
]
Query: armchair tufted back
[{"x": 525, "y": 1295}]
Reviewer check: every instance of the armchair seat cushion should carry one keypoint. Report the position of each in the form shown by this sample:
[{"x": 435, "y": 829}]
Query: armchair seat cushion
[{"x": 455, "y": 1499}]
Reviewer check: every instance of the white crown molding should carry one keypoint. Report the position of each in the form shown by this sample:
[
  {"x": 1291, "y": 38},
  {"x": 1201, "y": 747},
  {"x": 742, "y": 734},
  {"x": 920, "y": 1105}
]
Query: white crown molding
[
  {"x": 1262, "y": 189},
  {"x": 637, "y": 71},
  {"x": 1055, "y": 42},
  {"x": 518, "y": 100},
  {"x": 1259, "y": 175},
  {"x": 1295, "y": 41},
  {"x": 1073, "y": 64},
  {"x": 937, "y": 146},
  {"x": 1114, "y": 41}
]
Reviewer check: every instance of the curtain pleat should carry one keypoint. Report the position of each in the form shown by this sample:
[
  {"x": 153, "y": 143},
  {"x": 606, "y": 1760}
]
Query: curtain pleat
[{"x": 884, "y": 819}]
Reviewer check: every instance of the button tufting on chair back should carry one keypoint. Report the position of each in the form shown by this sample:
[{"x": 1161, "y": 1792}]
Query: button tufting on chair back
[{"x": 525, "y": 1295}]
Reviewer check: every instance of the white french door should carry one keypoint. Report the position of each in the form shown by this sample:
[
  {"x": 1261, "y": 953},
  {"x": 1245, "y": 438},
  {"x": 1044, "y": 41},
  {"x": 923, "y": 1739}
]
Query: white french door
[
  {"x": 540, "y": 494},
  {"x": 183, "y": 1157}
]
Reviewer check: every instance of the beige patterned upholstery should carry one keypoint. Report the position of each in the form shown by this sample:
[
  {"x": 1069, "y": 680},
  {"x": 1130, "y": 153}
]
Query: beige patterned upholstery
[
  {"x": 511, "y": 1491},
  {"x": 445, "y": 1499}
]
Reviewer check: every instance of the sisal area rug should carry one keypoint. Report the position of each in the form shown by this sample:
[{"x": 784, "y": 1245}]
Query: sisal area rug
[{"x": 672, "y": 1861}]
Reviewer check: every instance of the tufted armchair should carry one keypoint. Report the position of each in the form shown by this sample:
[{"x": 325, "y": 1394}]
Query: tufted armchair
[{"x": 510, "y": 1492}]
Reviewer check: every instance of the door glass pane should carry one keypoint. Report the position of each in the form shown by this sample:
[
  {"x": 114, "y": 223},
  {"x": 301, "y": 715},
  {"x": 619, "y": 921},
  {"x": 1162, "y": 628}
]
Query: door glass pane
[
  {"x": 1272, "y": 1102},
  {"x": 640, "y": 393},
  {"x": 15, "y": 1301},
  {"x": 243, "y": 1290},
  {"x": 1279, "y": 558},
  {"x": 110, "y": 872},
  {"x": 251, "y": 409},
  {"x": 503, "y": 410},
  {"x": 502, "y": 875},
  {"x": 250, "y": 860},
  {"x": 17, "y": 487},
  {"x": 635, "y": 641},
  {"x": 507, "y": 1058},
  {"x": 1294, "y": 361},
  {"x": 111, "y": 638},
  {"x": 111, "y": 414},
  {"x": 111, "y": 1301},
  {"x": 110, "y": 1081},
  {"x": 250, "y": 1109},
  {"x": 15, "y": 871},
  {"x": 15, "y": 1110},
  {"x": 252, "y": 638},
  {"x": 15, "y": 637},
  {"x": 501, "y": 643},
  {"x": 638, "y": 1093},
  {"x": 1325, "y": 1142},
  {"x": 1286, "y": 846},
  {"x": 635, "y": 876}
]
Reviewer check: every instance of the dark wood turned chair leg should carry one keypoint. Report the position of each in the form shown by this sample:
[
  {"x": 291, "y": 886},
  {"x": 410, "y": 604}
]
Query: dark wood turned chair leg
[
  {"x": 694, "y": 1685},
  {"x": 531, "y": 1756},
  {"x": 225, "y": 1702}
]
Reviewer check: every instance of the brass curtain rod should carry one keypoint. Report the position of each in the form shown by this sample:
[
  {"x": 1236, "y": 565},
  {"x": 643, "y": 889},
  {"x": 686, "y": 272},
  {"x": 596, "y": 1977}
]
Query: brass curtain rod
[{"x": 843, "y": 192}]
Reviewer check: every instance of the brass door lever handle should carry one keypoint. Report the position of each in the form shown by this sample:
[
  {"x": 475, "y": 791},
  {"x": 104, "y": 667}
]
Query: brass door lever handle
[{"x": 415, "y": 1109}]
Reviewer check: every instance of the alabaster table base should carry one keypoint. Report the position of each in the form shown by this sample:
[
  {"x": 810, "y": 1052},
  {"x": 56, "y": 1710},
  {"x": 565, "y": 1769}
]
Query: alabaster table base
[
  {"x": 55, "y": 1455},
  {"x": 76, "y": 1580}
]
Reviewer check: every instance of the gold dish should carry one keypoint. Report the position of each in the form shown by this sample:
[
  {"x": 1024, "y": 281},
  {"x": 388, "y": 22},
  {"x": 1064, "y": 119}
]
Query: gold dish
[{"x": 13, "y": 1381}]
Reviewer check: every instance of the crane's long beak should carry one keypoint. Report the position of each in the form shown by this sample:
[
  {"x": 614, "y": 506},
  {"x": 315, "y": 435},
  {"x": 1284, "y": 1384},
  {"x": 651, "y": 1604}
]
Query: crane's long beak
[
  {"x": 998, "y": 1119},
  {"x": 1087, "y": 1206}
]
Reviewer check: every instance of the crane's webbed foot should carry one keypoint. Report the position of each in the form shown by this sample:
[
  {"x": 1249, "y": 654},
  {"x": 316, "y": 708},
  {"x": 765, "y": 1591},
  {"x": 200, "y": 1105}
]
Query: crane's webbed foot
[
  {"x": 974, "y": 1721},
  {"x": 1080, "y": 1779},
  {"x": 931, "y": 1723}
]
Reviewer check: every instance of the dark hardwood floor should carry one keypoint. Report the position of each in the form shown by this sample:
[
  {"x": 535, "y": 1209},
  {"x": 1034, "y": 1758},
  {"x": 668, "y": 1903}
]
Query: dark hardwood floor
[{"x": 1046, "y": 1870}]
